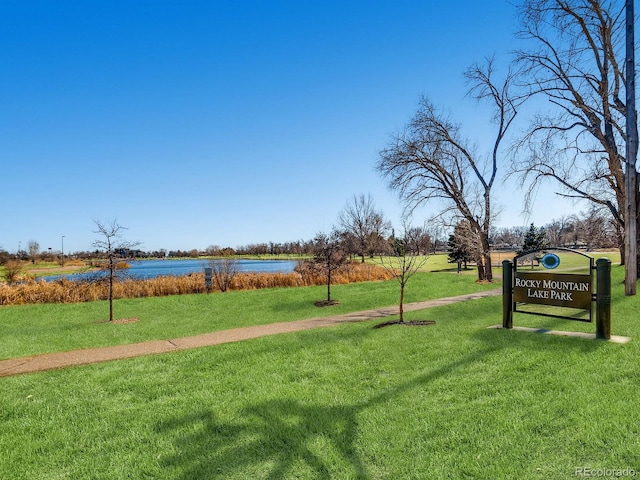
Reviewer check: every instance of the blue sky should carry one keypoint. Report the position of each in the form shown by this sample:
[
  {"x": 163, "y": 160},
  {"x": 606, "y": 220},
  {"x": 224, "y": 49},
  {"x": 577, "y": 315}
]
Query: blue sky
[{"x": 225, "y": 122}]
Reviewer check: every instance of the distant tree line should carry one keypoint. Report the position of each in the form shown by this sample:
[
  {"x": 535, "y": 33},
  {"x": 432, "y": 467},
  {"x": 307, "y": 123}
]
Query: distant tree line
[
  {"x": 594, "y": 229},
  {"x": 589, "y": 231}
]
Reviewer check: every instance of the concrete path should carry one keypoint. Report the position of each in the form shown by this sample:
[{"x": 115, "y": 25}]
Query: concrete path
[{"x": 51, "y": 361}]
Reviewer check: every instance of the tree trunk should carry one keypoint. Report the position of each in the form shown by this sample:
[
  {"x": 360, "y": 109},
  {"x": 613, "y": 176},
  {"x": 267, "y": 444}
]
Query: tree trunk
[
  {"x": 480, "y": 265},
  {"x": 402, "y": 302},
  {"x": 637, "y": 242},
  {"x": 631, "y": 189},
  {"x": 111, "y": 297},
  {"x": 485, "y": 271},
  {"x": 488, "y": 269}
]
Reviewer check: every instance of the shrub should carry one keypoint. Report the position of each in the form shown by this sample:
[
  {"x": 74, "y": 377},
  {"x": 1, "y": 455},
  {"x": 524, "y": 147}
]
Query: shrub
[{"x": 13, "y": 269}]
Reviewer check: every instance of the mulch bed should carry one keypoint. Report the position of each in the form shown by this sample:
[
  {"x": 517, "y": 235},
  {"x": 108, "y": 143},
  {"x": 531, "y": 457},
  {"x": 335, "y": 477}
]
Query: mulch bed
[
  {"x": 412, "y": 323},
  {"x": 325, "y": 303},
  {"x": 121, "y": 321}
]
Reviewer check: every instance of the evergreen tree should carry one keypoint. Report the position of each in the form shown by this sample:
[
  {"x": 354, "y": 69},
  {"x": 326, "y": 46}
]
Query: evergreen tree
[
  {"x": 457, "y": 252},
  {"x": 459, "y": 246},
  {"x": 534, "y": 240}
]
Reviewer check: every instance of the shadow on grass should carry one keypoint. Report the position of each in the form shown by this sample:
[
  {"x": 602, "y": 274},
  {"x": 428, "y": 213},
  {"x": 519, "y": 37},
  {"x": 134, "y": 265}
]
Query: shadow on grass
[
  {"x": 536, "y": 342},
  {"x": 453, "y": 270},
  {"x": 274, "y": 438},
  {"x": 282, "y": 438},
  {"x": 287, "y": 438}
]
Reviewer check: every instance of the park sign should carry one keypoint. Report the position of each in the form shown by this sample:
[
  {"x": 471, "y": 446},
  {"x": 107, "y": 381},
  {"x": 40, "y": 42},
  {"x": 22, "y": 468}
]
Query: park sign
[
  {"x": 558, "y": 283},
  {"x": 556, "y": 278},
  {"x": 560, "y": 290}
]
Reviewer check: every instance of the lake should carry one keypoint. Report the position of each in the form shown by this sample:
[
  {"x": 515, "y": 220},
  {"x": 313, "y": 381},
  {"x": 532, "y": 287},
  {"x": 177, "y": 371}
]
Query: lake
[{"x": 145, "y": 269}]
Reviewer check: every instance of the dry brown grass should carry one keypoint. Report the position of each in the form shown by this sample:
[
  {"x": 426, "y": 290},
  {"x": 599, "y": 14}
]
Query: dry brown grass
[
  {"x": 66, "y": 291},
  {"x": 70, "y": 262}
]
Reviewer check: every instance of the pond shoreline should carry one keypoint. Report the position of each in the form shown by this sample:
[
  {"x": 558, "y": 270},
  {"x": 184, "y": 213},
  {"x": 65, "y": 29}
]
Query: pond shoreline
[{"x": 153, "y": 268}]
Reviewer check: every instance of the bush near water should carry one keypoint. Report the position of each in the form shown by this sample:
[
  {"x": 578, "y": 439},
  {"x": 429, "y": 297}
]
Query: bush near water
[{"x": 67, "y": 291}]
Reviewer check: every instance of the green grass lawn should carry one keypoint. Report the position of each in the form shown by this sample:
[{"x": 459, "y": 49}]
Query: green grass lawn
[
  {"x": 453, "y": 400},
  {"x": 32, "y": 329}
]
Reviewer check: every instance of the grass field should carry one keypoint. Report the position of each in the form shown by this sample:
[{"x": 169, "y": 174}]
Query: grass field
[
  {"x": 454, "y": 400},
  {"x": 32, "y": 329}
]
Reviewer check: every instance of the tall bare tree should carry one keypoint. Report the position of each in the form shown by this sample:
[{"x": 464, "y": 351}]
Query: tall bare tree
[
  {"x": 34, "y": 250},
  {"x": 431, "y": 160},
  {"x": 575, "y": 62},
  {"x": 364, "y": 224}
]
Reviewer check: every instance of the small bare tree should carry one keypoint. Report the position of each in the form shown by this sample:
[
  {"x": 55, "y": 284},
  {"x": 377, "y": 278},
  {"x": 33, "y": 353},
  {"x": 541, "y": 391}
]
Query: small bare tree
[
  {"x": 223, "y": 271},
  {"x": 329, "y": 256},
  {"x": 115, "y": 248},
  {"x": 403, "y": 264}
]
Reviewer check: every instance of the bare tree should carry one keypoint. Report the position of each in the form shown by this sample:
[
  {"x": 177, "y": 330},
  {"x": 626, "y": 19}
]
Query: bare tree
[
  {"x": 365, "y": 225},
  {"x": 509, "y": 237},
  {"x": 435, "y": 227},
  {"x": 575, "y": 62},
  {"x": 212, "y": 250},
  {"x": 115, "y": 248},
  {"x": 595, "y": 230},
  {"x": 419, "y": 240},
  {"x": 556, "y": 231},
  {"x": 329, "y": 256},
  {"x": 431, "y": 160},
  {"x": 34, "y": 249},
  {"x": 223, "y": 271},
  {"x": 403, "y": 264}
]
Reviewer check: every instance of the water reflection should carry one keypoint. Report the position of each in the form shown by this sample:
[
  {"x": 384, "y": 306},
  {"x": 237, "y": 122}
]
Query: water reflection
[{"x": 145, "y": 269}]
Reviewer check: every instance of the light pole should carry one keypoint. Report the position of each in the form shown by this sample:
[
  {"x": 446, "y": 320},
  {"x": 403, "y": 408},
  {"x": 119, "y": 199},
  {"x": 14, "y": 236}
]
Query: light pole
[{"x": 62, "y": 252}]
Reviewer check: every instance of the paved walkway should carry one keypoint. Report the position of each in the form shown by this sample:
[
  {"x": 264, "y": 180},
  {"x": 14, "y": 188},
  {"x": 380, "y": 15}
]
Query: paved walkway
[{"x": 51, "y": 361}]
